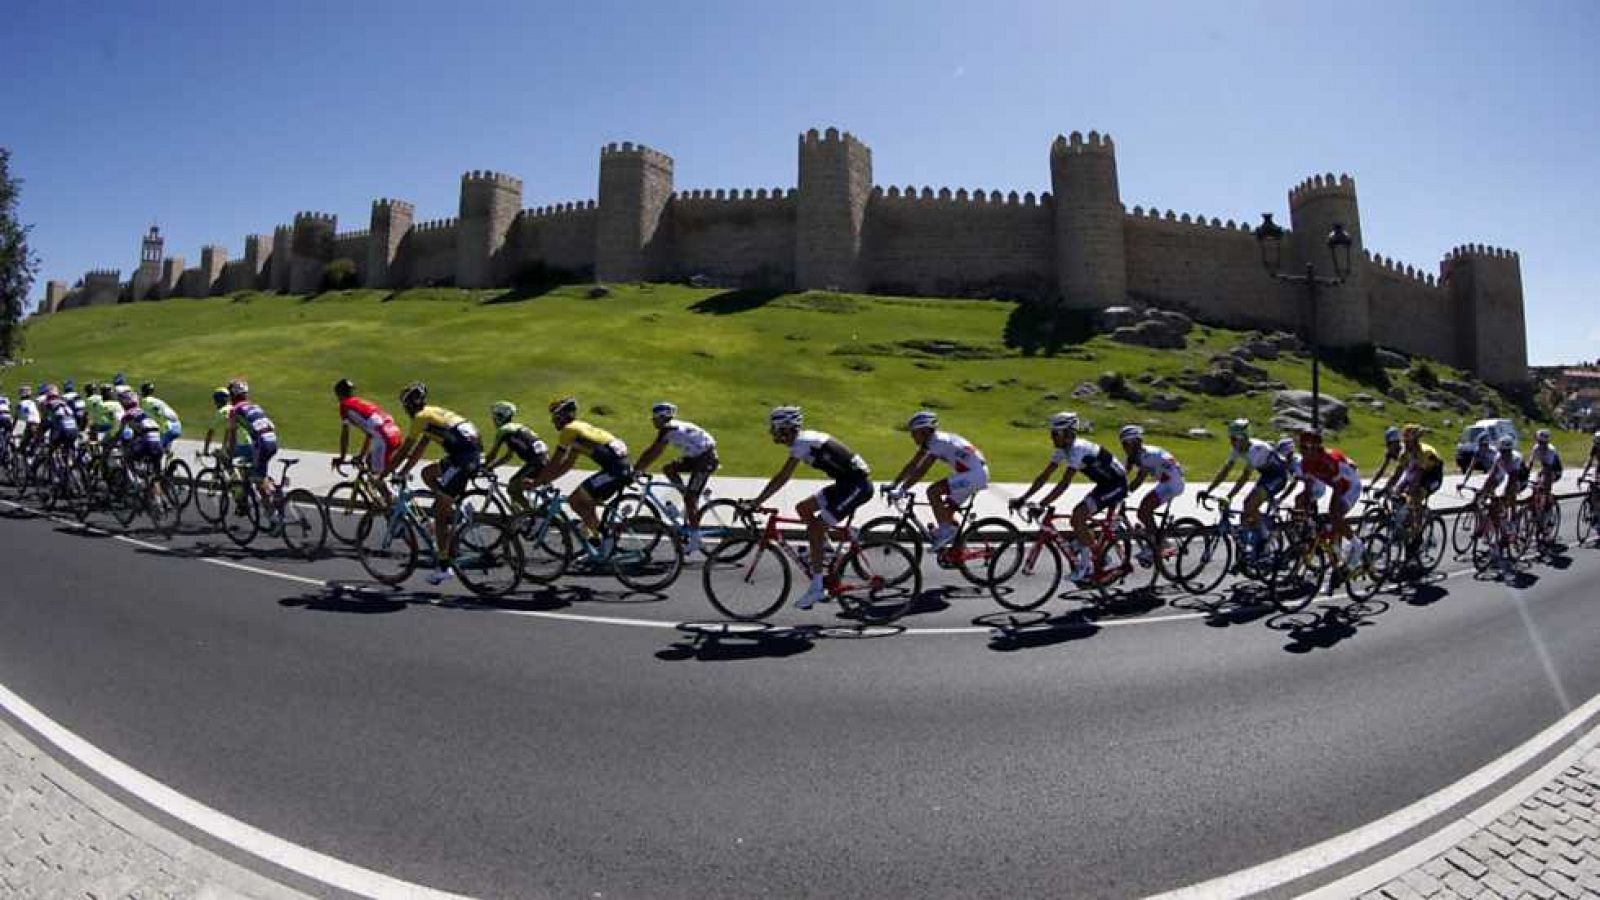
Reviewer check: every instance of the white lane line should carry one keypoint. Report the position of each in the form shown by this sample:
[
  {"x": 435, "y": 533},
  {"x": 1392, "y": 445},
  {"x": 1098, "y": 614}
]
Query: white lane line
[
  {"x": 293, "y": 857},
  {"x": 1317, "y": 857}
]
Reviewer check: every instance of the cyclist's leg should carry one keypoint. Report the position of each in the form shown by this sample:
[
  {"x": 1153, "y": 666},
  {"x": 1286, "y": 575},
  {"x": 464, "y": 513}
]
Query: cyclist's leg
[{"x": 440, "y": 478}]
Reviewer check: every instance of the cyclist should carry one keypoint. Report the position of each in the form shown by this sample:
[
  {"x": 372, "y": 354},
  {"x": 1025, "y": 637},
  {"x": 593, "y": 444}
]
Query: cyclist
[
  {"x": 1393, "y": 450},
  {"x": 69, "y": 395},
  {"x": 1421, "y": 470},
  {"x": 969, "y": 472},
  {"x": 97, "y": 420},
  {"x": 140, "y": 435},
  {"x": 60, "y": 422},
  {"x": 829, "y": 507},
  {"x": 1338, "y": 472},
  {"x": 697, "y": 459},
  {"x": 463, "y": 455},
  {"x": 262, "y": 434},
  {"x": 1548, "y": 461},
  {"x": 1593, "y": 462},
  {"x": 381, "y": 437},
  {"x": 512, "y": 438},
  {"x": 163, "y": 414},
  {"x": 575, "y": 436},
  {"x": 1109, "y": 477},
  {"x": 1272, "y": 468},
  {"x": 28, "y": 414},
  {"x": 8, "y": 424},
  {"x": 1481, "y": 460},
  {"x": 219, "y": 427},
  {"x": 1150, "y": 460},
  {"x": 1505, "y": 466}
]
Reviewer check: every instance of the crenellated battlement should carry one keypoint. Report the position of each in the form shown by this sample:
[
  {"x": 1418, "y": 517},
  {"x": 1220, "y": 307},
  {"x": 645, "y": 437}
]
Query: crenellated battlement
[
  {"x": 977, "y": 198},
  {"x": 830, "y": 136},
  {"x": 103, "y": 273},
  {"x": 1077, "y": 143},
  {"x": 1169, "y": 217},
  {"x": 1318, "y": 186},
  {"x": 1468, "y": 251},
  {"x": 434, "y": 225},
  {"x": 627, "y": 150},
  {"x": 1398, "y": 269},
  {"x": 557, "y": 209},
  {"x": 485, "y": 176},
  {"x": 284, "y": 230},
  {"x": 385, "y": 204},
  {"x": 733, "y": 195},
  {"x": 314, "y": 217},
  {"x": 356, "y": 235}
]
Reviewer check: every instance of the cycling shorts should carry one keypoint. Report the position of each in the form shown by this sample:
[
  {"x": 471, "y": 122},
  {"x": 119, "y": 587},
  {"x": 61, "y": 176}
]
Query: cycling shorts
[
  {"x": 147, "y": 449},
  {"x": 262, "y": 450},
  {"x": 459, "y": 465},
  {"x": 173, "y": 432},
  {"x": 1346, "y": 491},
  {"x": 965, "y": 484},
  {"x": 1104, "y": 496},
  {"x": 1168, "y": 487},
  {"x": 380, "y": 456},
  {"x": 1271, "y": 482},
  {"x": 839, "y": 500},
  {"x": 530, "y": 471},
  {"x": 698, "y": 468}
]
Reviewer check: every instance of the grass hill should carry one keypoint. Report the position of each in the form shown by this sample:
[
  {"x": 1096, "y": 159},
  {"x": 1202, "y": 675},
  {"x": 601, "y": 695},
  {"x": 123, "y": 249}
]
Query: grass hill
[{"x": 859, "y": 365}]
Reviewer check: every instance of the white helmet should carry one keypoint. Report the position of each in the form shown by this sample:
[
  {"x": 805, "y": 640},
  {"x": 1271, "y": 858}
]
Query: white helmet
[
  {"x": 1284, "y": 447},
  {"x": 1130, "y": 433},
  {"x": 1064, "y": 421},
  {"x": 1543, "y": 436},
  {"x": 923, "y": 418},
  {"x": 1507, "y": 444},
  {"x": 5, "y": 403},
  {"x": 785, "y": 417},
  {"x": 664, "y": 410},
  {"x": 1239, "y": 428},
  {"x": 1391, "y": 435},
  {"x": 1597, "y": 438}
]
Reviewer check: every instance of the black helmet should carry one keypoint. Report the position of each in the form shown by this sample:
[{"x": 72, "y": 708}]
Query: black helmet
[
  {"x": 218, "y": 396},
  {"x": 563, "y": 407},
  {"x": 147, "y": 389},
  {"x": 414, "y": 397},
  {"x": 344, "y": 387}
]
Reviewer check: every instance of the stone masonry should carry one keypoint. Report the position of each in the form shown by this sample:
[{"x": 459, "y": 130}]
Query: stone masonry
[{"x": 1077, "y": 244}]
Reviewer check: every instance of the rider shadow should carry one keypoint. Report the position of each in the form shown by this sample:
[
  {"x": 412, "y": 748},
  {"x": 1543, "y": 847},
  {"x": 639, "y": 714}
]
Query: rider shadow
[
  {"x": 1123, "y": 605},
  {"x": 85, "y": 530},
  {"x": 360, "y": 597},
  {"x": 1325, "y": 628},
  {"x": 1244, "y": 604},
  {"x": 1013, "y": 631},
  {"x": 735, "y": 641}
]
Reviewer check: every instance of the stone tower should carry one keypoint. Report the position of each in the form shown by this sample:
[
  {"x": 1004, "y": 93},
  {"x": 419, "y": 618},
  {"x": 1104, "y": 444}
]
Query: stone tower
[
  {"x": 147, "y": 278},
  {"x": 212, "y": 260},
  {"x": 1315, "y": 206},
  {"x": 310, "y": 249},
  {"x": 391, "y": 219},
  {"x": 635, "y": 185},
  {"x": 830, "y": 207},
  {"x": 1091, "y": 260},
  {"x": 54, "y": 293},
  {"x": 1485, "y": 285},
  {"x": 490, "y": 201},
  {"x": 257, "y": 257},
  {"x": 282, "y": 255}
]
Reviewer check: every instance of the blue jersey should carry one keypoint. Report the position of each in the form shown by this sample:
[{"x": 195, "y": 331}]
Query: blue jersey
[
  {"x": 253, "y": 419},
  {"x": 63, "y": 424}
]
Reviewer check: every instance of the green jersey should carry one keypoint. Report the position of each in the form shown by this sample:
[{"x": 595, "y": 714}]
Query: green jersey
[
  {"x": 158, "y": 409},
  {"x": 102, "y": 416}
]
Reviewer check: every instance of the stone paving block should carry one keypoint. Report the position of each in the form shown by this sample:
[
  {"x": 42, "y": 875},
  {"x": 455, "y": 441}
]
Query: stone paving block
[
  {"x": 1424, "y": 884},
  {"x": 1500, "y": 885},
  {"x": 1467, "y": 863},
  {"x": 1563, "y": 885}
]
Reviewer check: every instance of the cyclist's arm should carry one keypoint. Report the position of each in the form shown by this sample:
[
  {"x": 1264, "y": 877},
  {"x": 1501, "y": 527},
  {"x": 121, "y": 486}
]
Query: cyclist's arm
[
  {"x": 1138, "y": 475},
  {"x": 776, "y": 484},
  {"x": 1223, "y": 473},
  {"x": 913, "y": 470},
  {"x": 1244, "y": 479},
  {"x": 344, "y": 438},
  {"x": 1060, "y": 488},
  {"x": 493, "y": 459},
  {"x": 648, "y": 457},
  {"x": 560, "y": 464},
  {"x": 416, "y": 449},
  {"x": 1038, "y": 483}
]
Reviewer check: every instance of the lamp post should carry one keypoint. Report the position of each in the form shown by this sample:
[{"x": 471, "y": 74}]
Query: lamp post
[{"x": 1269, "y": 236}]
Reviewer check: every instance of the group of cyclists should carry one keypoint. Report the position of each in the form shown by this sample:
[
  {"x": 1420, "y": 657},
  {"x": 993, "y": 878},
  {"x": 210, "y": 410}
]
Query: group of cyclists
[{"x": 55, "y": 419}]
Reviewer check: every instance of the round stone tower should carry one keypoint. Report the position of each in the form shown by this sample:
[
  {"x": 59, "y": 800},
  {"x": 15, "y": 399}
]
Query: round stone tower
[
  {"x": 1091, "y": 263},
  {"x": 1315, "y": 206}
]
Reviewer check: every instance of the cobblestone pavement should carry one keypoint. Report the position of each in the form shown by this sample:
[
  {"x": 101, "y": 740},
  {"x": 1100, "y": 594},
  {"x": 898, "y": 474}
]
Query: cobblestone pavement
[
  {"x": 1547, "y": 846},
  {"x": 62, "y": 837}
]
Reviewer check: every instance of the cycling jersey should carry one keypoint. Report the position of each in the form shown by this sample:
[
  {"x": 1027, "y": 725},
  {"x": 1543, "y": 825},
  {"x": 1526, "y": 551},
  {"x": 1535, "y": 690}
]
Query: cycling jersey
[
  {"x": 1258, "y": 455},
  {"x": 1507, "y": 464},
  {"x": 221, "y": 418},
  {"x": 1092, "y": 460},
  {"x": 138, "y": 425},
  {"x": 594, "y": 442},
  {"x": 371, "y": 420},
  {"x": 76, "y": 404},
  {"x": 1425, "y": 458},
  {"x": 253, "y": 420},
  {"x": 1157, "y": 462},
  {"x": 955, "y": 451},
  {"x": 63, "y": 424},
  {"x": 524, "y": 442},
  {"x": 158, "y": 409},
  {"x": 1331, "y": 467},
  {"x": 1547, "y": 459},
  {"x": 454, "y": 433},
  {"x": 103, "y": 416},
  {"x": 825, "y": 453},
  {"x": 28, "y": 412},
  {"x": 689, "y": 439}
]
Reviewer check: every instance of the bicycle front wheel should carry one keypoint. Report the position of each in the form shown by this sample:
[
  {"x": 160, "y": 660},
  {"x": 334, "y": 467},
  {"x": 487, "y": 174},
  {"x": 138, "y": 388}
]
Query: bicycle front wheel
[
  {"x": 387, "y": 547},
  {"x": 1025, "y": 573},
  {"x": 181, "y": 477},
  {"x": 978, "y": 544},
  {"x": 1584, "y": 526},
  {"x": 343, "y": 506},
  {"x": 719, "y": 521},
  {"x": 488, "y": 557},
  {"x": 889, "y": 585},
  {"x": 546, "y": 546},
  {"x": 1367, "y": 575},
  {"x": 162, "y": 505},
  {"x": 746, "y": 579},
  {"x": 210, "y": 496},
  {"x": 1428, "y": 549},
  {"x": 1293, "y": 573},
  {"x": 648, "y": 556},
  {"x": 242, "y": 518},
  {"x": 1205, "y": 556},
  {"x": 305, "y": 525},
  {"x": 1464, "y": 533}
]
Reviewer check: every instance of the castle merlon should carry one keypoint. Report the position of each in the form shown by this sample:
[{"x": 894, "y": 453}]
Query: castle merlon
[
  {"x": 1077, "y": 143},
  {"x": 314, "y": 217},
  {"x": 1152, "y": 214},
  {"x": 489, "y": 177},
  {"x": 729, "y": 195},
  {"x": 1322, "y": 186},
  {"x": 1479, "y": 250}
]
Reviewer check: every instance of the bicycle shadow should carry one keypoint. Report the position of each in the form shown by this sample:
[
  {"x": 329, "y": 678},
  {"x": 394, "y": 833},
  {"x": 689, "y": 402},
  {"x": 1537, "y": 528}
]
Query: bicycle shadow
[
  {"x": 359, "y": 597},
  {"x": 1013, "y": 631},
  {"x": 732, "y": 641},
  {"x": 1327, "y": 627},
  {"x": 1422, "y": 593}
]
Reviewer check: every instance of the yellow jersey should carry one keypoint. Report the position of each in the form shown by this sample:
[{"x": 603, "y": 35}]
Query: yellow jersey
[
  {"x": 1425, "y": 458},
  {"x": 449, "y": 429},
  {"x": 590, "y": 440}
]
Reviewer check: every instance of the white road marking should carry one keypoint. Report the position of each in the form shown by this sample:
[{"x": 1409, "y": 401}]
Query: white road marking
[{"x": 293, "y": 857}]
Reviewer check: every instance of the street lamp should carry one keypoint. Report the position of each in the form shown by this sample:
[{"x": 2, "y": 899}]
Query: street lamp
[{"x": 1269, "y": 236}]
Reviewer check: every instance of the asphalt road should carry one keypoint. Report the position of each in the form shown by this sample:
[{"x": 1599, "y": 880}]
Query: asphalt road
[{"x": 481, "y": 750}]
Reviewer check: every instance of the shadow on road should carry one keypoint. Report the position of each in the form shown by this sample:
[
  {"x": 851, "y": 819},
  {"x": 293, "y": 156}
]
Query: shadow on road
[{"x": 728, "y": 641}]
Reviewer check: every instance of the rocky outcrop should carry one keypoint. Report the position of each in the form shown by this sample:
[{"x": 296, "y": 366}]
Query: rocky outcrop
[{"x": 1291, "y": 411}]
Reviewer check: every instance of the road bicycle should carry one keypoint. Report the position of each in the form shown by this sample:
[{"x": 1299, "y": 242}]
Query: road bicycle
[
  {"x": 1415, "y": 533},
  {"x": 718, "y": 518},
  {"x": 392, "y": 540},
  {"x": 641, "y": 552},
  {"x": 293, "y": 514},
  {"x": 749, "y": 577},
  {"x": 1501, "y": 537},
  {"x": 968, "y": 552},
  {"x": 1543, "y": 517},
  {"x": 1309, "y": 557},
  {"x": 347, "y": 502},
  {"x": 1208, "y": 555},
  {"x": 1027, "y": 572},
  {"x": 1588, "y": 517}
]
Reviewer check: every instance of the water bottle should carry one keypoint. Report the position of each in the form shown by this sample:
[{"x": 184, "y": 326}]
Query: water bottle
[{"x": 672, "y": 510}]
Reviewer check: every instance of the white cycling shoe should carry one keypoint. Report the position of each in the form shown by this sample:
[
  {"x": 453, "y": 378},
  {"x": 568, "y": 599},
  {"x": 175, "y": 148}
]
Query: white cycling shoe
[
  {"x": 440, "y": 576},
  {"x": 813, "y": 593}
]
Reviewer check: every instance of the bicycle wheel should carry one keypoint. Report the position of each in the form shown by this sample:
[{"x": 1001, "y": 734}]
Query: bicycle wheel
[
  {"x": 977, "y": 544},
  {"x": 344, "y": 505},
  {"x": 1584, "y": 525},
  {"x": 1428, "y": 546},
  {"x": 719, "y": 521},
  {"x": 1035, "y": 568},
  {"x": 241, "y": 519},
  {"x": 1113, "y": 562},
  {"x": 125, "y": 497},
  {"x": 631, "y": 504},
  {"x": 181, "y": 478},
  {"x": 647, "y": 556},
  {"x": 1293, "y": 573},
  {"x": 888, "y": 590},
  {"x": 485, "y": 505},
  {"x": 210, "y": 495},
  {"x": 746, "y": 579},
  {"x": 1464, "y": 533},
  {"x": 1550, "y": 522},
  {"x": 305, "y": 525},
  {"x": 1363, "y": 579},
  {"x": 387, "y": 547},
  {"x": 546, "y": 546},
  {"x": 161, "y": 505},
  {"x": 488, "y": 556},
  {"x": 1205, "y": 557},
  {"x": 893, "y": 528}
]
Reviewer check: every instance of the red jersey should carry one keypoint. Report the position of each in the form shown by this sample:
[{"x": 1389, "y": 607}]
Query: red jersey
[
  {"x": 1329, "y": 467},
  {"x": 370, "y": 418}
]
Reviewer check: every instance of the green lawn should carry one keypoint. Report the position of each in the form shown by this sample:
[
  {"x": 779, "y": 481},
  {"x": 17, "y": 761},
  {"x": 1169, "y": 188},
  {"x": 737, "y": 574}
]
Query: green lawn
[{"x": 853, "y": 362}]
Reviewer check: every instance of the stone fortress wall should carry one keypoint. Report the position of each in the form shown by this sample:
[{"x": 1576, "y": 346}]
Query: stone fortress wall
[{"x": 838, "y": 230}]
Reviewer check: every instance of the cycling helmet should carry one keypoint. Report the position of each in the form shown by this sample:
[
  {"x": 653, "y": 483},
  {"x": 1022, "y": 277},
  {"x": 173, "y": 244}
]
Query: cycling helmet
[
  {"x": 107, "y": 392},
  {"x": 344, "y": 388},
  {"x": 1239, "y": 428},
  {"x": 5, "y": 402},
  {"x": 414, "y": 397},
  {"x": 1284, "y": 447},
  {"x": 1309, "y": 438},
  {"x": 218, "y": 396},
  {"x": 118, "y": 379},
  {"x": 1507, "y": 444},
  {"x": 1543, "y": 436},
  {"x": 238, "y": 388},
  {"x": 785, "y": 417},
  {"x": 69, "y": 385},
  {"x": 924, "y": 418},
  {"x": 564, "y": 406},
  {"x": 1597, "y": 438},
  {"x": 664, "y": 410},
  {"x": 50, "y": 391},
  {"x": 1412, "y": 430},
  {"x": 1131, "y": 433},
  {"x": 129, "y": 401},
  {"x": 1483, "y": 440},
  {"x": 1391, "y": 435},
  {"x": 25, "y": 392},
  {"x": 91, "y": 388},
  {"x": 503, "y": 412},
  {"x": 147, "y": 389},
  {"x": 1064, "y": 421}
]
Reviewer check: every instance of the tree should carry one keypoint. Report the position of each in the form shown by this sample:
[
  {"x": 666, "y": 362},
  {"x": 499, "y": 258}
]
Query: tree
[{"x": 17, "y": 263}]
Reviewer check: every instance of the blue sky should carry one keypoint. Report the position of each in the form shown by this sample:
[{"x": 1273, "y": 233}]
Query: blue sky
[{"x": 1460, "y": 124}]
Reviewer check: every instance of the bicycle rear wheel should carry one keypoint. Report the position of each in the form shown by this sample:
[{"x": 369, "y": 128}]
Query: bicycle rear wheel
[
  {"x": 210, "y": 495},
  {"x": 1464, "y": 533},
  {"x": 1034, "y": 570},
  {"x": 181, "y": 477},
  {"x": 746, "y": 579},
  {"x": 161, "y": 504},
  {"x": 1428, "y": 546},
  {"x": 488, "y": 556},
  {"x": 546, "y": 546},
  {"x": 1293, "y": 573},
  {"x": 387, "y": 547},
  {"x": 241, "y": 518},
  {"x": 978, "y": 544},
  {"x": 648, "y": 556},
  {"x": 344, "y": 506},
  {"x": 305, "y": 525},
  {"x": 719, "y": 521},
  {"x": 889, "y": 588},
  {"x": 1584, "y": 526},
  {"x": 1205, "y": 556},
  {"x": 1363, "y": 579}
]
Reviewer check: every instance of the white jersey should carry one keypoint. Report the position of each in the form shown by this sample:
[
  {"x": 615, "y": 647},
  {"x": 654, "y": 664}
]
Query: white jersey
[
  {"x": 1092, "y": 460},
  {"x": 690, "y": 439},
  {"x": 823, "y": 452},
  {"x": 1258, "y": 455},
  {"x": 1157, "y": 462},
  {"x": 28, "y": 412},
  {"x": 955, "y": 451},
  {"x": 1545, "y": 458}
]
